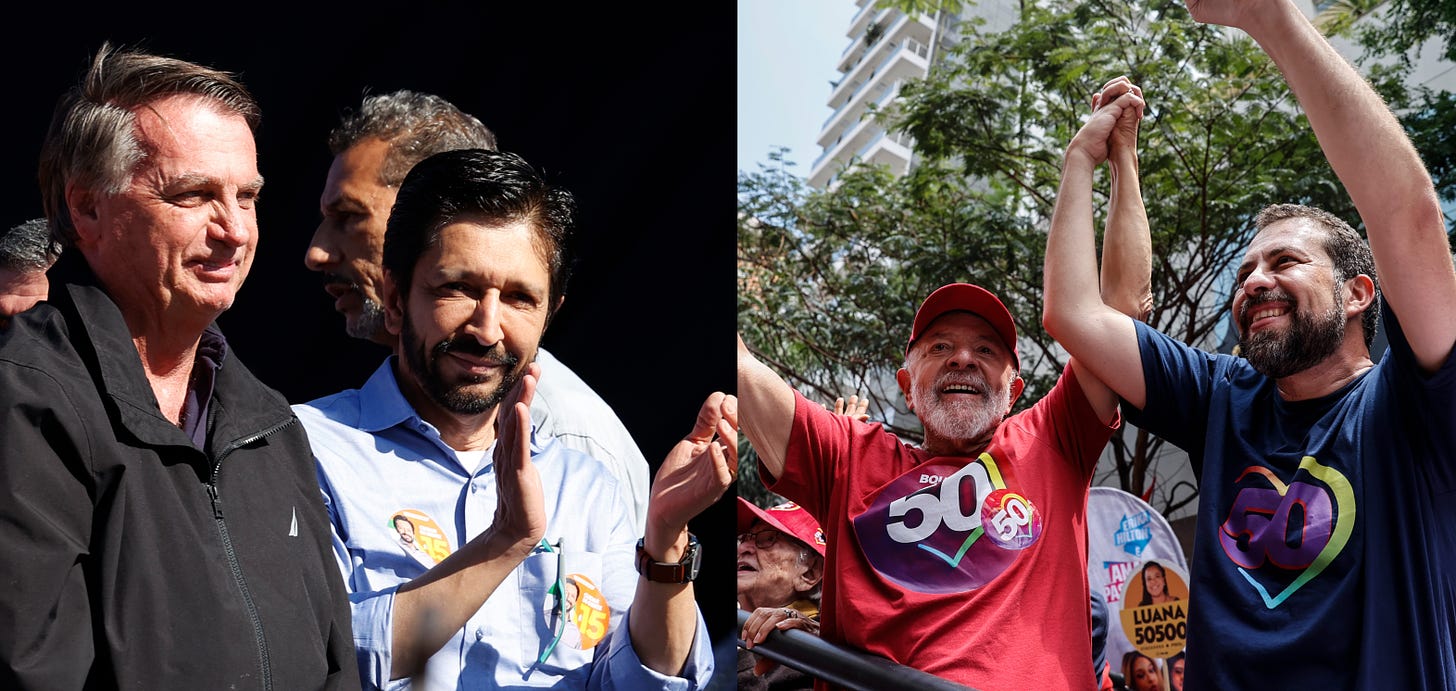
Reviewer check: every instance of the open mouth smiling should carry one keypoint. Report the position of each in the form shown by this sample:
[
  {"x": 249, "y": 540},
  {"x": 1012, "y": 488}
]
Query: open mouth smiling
[{"x": 962, "y": 389}]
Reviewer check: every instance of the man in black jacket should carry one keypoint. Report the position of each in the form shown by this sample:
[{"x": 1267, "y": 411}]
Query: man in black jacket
[{"x": 163, "y": 526}]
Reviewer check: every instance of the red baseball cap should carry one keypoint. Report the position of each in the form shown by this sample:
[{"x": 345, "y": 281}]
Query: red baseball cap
[
  {"x": 788, "y": 518},
  {"x": 965, "y": 297}
]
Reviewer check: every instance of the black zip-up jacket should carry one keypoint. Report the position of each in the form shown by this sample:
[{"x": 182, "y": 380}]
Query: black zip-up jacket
[{"x": 131, "y": 559}]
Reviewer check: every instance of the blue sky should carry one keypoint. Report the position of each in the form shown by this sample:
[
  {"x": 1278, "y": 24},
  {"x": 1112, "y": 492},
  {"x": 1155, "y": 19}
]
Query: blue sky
[{"x": 787, "y": 50}]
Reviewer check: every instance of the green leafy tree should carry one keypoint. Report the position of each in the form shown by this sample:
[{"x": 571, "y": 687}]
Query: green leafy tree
[
  {"x": 1406, "y": 23},
  {"x": 829, "y": 279}
]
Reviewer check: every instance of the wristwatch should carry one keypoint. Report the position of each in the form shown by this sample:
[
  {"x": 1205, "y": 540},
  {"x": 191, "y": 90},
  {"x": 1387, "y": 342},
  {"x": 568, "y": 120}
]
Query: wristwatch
[{"x": 682, "y": 571}]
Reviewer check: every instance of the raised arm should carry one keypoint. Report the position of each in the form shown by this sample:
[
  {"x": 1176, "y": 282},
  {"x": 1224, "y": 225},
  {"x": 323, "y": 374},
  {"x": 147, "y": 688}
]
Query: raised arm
[
  {"x": 430, "y": 609},
  {"x": 1373, "y": 157},
  {"x": 1127, "y": 247},
  {"x": 1126, "y": 278},
  {"x": 768, "y": 409},
  {"x": 1100, "y": 338},
  {"x": 694, "y": 475}
]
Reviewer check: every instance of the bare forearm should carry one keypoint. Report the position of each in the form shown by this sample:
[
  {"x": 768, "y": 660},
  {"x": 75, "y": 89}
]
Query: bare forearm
[
  {"x": 1364, "y": 142},
  {"x": 1127, "y": 252},
  {"x": 1071, "y": 257},
  {"x": 1380, "y": 168},
  {"x": 766, "y": 409},
  {"x": 431, "y": 608}
]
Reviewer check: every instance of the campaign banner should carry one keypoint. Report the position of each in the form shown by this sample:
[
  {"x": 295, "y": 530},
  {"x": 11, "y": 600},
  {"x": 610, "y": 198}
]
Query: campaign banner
[{"x": 1135, "y": 562}]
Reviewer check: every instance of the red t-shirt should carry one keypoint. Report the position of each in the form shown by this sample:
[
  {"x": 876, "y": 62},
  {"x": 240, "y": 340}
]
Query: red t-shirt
[{"x": 971, "y": 569}]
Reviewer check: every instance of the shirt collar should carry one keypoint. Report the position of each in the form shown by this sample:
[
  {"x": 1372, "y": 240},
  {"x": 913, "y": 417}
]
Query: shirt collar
[{"x": 382, "y": 406}]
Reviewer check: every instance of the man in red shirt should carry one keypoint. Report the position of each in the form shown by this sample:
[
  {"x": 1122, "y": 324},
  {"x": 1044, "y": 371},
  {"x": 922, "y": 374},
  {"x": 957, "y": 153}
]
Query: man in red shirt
[{"x": 965, "y": 556}]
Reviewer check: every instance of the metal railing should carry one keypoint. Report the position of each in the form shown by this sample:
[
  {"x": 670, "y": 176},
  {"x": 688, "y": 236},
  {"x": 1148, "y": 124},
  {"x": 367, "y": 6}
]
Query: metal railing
[{"x": 851, "y": 669}]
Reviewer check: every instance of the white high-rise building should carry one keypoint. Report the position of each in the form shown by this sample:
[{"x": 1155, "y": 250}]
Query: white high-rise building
[{"x": 886, "y": 47}]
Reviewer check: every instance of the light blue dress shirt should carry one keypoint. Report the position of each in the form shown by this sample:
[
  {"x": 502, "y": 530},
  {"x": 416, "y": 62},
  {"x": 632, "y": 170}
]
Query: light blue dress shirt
[
  {"x": 378, "y": 459},
  {"x": 568, "y": 410}
]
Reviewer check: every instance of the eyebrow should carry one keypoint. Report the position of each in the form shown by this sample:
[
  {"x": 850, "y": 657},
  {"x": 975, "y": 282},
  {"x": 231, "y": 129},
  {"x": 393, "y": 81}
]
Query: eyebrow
[
  {"x": 190, "y": 179},
  {"x": 346, "y": 202},
  {"x": 1274, "y": 252}
]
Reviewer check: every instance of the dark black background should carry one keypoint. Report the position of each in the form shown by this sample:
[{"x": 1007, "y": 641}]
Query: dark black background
[{"x": 627, "y": 106}]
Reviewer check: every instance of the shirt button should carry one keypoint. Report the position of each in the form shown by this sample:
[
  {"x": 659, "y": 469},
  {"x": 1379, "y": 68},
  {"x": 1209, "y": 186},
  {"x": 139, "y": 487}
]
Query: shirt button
[
  {"x": 474, "y": 488},
  {"x": 479, "y": 634}
]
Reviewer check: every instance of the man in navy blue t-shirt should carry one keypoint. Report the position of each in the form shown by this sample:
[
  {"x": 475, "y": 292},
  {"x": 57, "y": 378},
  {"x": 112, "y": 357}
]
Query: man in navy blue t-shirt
[{"x": 1326, "y": 550}]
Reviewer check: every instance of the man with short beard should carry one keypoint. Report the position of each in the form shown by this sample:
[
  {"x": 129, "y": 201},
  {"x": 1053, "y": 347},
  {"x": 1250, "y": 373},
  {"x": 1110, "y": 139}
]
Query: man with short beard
[
  {"x": 1327, "y": 530},
  {"x": 929, "y": 544},
  {"x": 475, "y": 257},
  {"x": 964, "y": 557},
  {"x": 374, "y": 146}
]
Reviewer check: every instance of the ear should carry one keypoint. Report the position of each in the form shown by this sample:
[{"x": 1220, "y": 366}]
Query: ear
[
  {"x": 393, "y": 299},
  {"x": 1359, "y": 295},
  {"x": 902, "y": 377},
  {"x": 812, "y": 574},
  {"x": 1017, "y": 386},
  {"x": 82, "y": 205}
]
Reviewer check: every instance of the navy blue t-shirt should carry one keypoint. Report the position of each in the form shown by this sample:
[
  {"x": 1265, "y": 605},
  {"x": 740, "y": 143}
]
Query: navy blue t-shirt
[{"x": 1325, "y": 553}]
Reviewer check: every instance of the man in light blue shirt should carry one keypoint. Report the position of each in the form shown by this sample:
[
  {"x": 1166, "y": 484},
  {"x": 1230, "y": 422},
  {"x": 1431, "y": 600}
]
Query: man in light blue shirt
[
  {"x": 374, "y": 147},
  {"x": 539, "y": 576}
]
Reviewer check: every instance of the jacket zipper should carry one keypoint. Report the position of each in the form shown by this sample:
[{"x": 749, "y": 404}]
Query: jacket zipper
[{"x": 232, "y": 557}]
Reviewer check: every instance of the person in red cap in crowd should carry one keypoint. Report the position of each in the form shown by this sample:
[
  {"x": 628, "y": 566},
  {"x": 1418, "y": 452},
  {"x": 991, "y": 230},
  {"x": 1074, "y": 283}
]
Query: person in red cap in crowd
[
  {"x": 965, "y": 556},
  {"x": 780, "y": 571}
]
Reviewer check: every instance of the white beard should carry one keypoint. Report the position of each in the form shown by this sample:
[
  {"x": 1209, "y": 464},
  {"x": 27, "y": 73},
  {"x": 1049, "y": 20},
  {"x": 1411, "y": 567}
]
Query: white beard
[{"x": 960, "y": 418}]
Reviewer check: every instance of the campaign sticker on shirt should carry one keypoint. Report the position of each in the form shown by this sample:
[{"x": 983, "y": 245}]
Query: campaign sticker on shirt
[
  {"x": 420, "y": 536},
  {"x": 589, "y": 613},
  {"x": 1010, "y": 520},
  {"x": 1155, "y": 609},
  {"x": 946, "y": 528}
]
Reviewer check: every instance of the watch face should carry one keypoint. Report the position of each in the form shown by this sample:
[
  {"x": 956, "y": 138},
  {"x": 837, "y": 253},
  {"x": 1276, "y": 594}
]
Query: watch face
[
  {"x": 681, "y": 571},
  {"x": 694, "y": 557}
]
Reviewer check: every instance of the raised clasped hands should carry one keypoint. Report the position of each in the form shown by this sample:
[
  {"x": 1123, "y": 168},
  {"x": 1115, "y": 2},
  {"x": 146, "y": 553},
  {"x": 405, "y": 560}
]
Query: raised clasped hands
[{"x": 1117, "y": 108}]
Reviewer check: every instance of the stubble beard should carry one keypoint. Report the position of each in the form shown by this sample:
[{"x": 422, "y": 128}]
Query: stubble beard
[
  {"x": 459, "y": 398},
  {"x": 369, "y": 323}
]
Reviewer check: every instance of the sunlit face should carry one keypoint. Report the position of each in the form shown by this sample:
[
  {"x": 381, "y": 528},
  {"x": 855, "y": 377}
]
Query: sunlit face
[
  {"x": 768, "y": 577},
  {"x": 1287, "y": 305},
  {"x": 179, "y": 239},
  {"x": 473, "y": 317},
  {"x": 960, "y": 376},
  {"x": 1145, "y": 675},
  {"x": 348, "y": 246}
]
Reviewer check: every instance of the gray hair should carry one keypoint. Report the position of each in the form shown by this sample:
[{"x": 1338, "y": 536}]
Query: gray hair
[
  {"x": 415, "y": 125},
  {"x": 27, "y": 247},
  {"x": 92, "y": 136}
]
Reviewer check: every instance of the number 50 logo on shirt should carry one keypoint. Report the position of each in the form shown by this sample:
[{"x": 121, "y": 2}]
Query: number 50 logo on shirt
[{"x": 942, "y": 528}]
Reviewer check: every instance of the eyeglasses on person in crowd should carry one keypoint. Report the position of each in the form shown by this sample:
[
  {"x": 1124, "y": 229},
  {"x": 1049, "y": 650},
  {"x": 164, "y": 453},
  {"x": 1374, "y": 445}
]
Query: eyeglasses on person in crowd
[{"x": 762, "y": 539}]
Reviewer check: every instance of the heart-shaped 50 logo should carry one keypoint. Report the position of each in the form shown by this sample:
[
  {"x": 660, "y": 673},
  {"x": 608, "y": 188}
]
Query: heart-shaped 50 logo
[{"x": 1277, "y": 530}]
